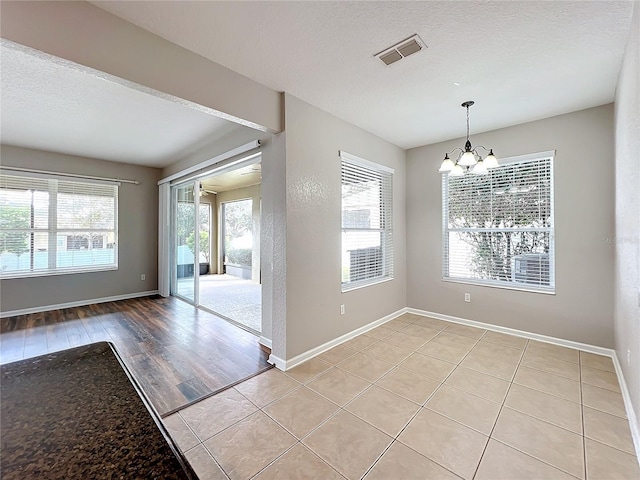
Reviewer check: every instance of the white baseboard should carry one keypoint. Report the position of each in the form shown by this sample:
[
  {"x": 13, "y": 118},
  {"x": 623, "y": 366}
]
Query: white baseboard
[
  {"x": 284, "y": 365},
  {"x": 80, "y": 303},
  {"x": 278, "y": 362},
  {"x": 518, "y": 333},
  {"x": 264, "y": 341},
  {"x": 631, "y": 414}
]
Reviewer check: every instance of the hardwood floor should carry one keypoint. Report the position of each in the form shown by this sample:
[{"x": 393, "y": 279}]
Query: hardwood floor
[{"x": 178, "y": 353}]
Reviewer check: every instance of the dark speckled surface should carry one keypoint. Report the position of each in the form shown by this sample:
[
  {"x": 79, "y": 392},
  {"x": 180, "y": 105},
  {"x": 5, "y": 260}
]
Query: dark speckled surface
[{"x": 77, "y": 414}]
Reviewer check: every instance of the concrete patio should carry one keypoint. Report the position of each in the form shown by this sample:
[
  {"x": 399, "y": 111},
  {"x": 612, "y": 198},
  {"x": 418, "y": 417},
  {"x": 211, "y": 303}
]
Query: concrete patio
[{"x": 232, "y": 297}]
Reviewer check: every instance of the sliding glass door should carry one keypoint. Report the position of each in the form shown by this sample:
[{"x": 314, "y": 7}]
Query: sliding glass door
[{"x": 185, "y": 266}]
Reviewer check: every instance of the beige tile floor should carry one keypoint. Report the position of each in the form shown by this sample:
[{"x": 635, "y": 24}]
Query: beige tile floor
[{"x": 418, "y": 398}]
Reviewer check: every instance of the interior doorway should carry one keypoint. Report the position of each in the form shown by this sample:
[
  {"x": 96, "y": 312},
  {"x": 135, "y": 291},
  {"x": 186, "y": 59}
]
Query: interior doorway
[{"x": 216, "y": 220}]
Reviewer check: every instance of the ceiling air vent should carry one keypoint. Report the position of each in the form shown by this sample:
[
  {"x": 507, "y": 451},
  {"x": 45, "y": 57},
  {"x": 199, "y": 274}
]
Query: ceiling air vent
[{"x": 401, "y": 50}]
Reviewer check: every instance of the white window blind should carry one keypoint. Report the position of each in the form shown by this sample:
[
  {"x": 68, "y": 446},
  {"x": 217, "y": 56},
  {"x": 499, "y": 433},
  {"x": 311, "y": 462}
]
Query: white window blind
[
  {"x": 367, "y": 222},
  {"x": 50, "y": 226},
  {"x": 498, "y": 228}
]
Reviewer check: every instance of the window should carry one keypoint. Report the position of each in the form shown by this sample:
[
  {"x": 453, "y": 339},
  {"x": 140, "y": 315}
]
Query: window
[
  {"x": 498, "y": 228},
  {"x": 367, "y": 222},
  {"x": 50, "y": 225},
  {"x": 205, "y": 232}
]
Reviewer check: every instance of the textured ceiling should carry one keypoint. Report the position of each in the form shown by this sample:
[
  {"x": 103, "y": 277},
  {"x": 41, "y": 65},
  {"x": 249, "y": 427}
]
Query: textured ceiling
[
  {"x": 48, "y": 104},
  {"x": 519, "y": 61},
  {"x": 242, "y": 177}
]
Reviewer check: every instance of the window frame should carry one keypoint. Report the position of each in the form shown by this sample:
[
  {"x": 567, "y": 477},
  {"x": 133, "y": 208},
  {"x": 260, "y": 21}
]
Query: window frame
[
  {"x": 386, "y": 217},
  {"x": 508, "y": 285},
  {"x": 53, "y": 230}
]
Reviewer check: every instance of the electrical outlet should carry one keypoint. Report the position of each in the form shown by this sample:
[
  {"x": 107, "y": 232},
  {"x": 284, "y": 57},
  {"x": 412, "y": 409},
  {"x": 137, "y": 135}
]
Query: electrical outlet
[
  {"x": 143, "y": 277},
  {"x": 467, "y": 297},
  {"x": 341, "y": 309},
  {"x": 628, "y": 358}
]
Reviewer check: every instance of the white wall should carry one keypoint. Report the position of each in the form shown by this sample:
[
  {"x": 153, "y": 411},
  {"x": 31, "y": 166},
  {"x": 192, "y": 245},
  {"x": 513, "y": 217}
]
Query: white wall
[
  {"x": 313, "y": 226},
  {"x": 273, "y": 244},
  {"x": 137, "y": 236},
  {"x": 89, "y": 36},
  {"x": 627, "y": 216},
  {"x": 582, "y": 308}
]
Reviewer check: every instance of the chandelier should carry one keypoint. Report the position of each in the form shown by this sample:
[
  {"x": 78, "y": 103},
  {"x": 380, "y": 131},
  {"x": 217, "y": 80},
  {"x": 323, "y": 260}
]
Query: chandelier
[{"x": 469, "y": 157}]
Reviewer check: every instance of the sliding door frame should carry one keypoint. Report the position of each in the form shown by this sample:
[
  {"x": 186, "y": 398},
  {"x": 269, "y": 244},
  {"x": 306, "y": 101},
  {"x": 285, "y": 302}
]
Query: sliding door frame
[{"x": 173, "y": 264}]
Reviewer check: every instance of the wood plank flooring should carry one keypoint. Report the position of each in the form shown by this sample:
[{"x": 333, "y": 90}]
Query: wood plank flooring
[{"x": 178, "y": 353}]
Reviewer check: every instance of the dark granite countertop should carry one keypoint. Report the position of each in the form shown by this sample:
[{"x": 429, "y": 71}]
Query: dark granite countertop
[{"x": 79, "y": 414}]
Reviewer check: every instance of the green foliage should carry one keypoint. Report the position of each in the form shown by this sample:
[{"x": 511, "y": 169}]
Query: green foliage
[
  {"x": 204, "y": 243},
  {"x": 238, "y": 218},
  {"x": 239, "y": 256},
  {"x": 185, "y": 220},
  {"x": 14, "y": 217},
  {"x": 238, "y": 222},
  {"x": 515, "y": 197}
]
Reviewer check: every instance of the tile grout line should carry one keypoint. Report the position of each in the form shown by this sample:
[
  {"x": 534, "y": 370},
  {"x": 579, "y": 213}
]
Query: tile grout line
[
  {"x": 259, "y": 409},
  {"x": 395, "y": 366},
  {"x": 526, "y": 414},
  {"x": 490, "y": 436},
  {"x": 216, "y": 462},
  {"x": 535, "y": 458},
  {"x": 422, "y": 406},
  {"x": 366, "y": 472},
  {"x": 287, "y": 450},
  {"x": 584, "y": 440},
  {"x": 555, "y": 396},
  {"x": 394, "y": 438},
  {"x": 300, "y": 385},
  {"x": 199, "y": 444}
]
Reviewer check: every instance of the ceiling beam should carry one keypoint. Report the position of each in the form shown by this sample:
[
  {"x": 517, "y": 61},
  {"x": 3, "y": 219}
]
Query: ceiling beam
[{"x": 86, "y": 35}]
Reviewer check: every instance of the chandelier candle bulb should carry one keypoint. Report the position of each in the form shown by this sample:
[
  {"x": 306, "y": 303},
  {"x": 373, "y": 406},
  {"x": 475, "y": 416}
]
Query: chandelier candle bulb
[
  {"x": 468, "y": 159},
  {"x": 480, "y": 168},
  {"x": 447, "y": 165},
  {"x": 457, "y": 171},
  {"x": 491, "y": 161}
]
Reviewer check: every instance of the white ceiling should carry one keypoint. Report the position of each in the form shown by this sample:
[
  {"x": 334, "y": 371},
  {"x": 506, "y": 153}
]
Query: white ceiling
[
  {"x": 242, "y": 177},
  {"x": 519, "y": 61},
  {"x": 49, "y": 104}
]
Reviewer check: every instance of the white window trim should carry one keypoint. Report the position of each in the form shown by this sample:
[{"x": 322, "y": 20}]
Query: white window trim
[
  {"x": 364, "y": 162},
  {"x": 53, "y": 246},
  {"x": 550, "y": 290},
  {"x": 353, "y": 159}
]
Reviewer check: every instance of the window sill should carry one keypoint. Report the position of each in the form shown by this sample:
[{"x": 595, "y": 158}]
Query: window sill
[
  {"x": 50, "y": 273},
  {"x": 348, "y": 288},
  {"x": 479, "y": 283}
]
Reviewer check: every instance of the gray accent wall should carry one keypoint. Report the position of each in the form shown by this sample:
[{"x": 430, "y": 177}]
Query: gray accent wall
[
  {"x": 627, "y": 217},
  {"x": 137, "y": 236},
  {"x": 582, "y": 307},
  {"x": 313, "y": 229}
]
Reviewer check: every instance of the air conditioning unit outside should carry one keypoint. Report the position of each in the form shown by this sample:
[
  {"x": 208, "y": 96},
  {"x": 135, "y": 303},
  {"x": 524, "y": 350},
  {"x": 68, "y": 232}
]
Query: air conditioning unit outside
[{"x": 531, "y": 268}]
